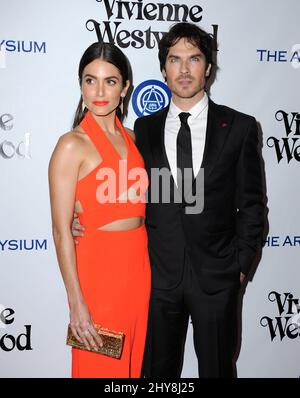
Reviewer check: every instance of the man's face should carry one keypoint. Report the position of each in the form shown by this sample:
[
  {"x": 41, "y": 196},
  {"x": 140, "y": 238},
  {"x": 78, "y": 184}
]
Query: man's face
[{"x": 185, "y": 72}]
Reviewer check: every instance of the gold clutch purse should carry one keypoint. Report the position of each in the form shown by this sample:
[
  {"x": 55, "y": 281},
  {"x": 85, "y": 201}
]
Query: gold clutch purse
[{"x": 112, "y": 342}]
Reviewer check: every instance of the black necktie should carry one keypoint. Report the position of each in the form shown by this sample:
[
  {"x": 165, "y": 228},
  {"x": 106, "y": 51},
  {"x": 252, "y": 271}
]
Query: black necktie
[{"x": 184, "y": 153}]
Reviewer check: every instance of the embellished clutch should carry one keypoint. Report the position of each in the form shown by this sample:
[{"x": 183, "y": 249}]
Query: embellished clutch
[{"x": 112, "y": 342}]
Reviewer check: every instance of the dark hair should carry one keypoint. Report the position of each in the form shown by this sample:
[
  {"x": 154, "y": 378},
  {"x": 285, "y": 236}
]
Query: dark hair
[
  {"x": 109, "y": 53},
  {"x": 193, "y": 34}
]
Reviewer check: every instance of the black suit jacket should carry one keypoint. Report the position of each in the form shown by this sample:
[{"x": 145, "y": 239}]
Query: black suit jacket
[{"x": 223, "y": 239}]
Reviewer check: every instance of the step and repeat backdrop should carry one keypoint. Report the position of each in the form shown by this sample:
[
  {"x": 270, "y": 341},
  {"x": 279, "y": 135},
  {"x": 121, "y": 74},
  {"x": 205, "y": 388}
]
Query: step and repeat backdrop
[{"x": 41, "y": 43}]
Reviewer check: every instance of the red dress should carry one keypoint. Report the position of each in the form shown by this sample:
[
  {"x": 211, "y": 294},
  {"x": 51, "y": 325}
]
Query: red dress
[{"x": 113, "y": 266}]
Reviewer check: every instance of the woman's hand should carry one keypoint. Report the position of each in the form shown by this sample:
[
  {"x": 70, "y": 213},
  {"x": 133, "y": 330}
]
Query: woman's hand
[{"x": 82, "y": 326}]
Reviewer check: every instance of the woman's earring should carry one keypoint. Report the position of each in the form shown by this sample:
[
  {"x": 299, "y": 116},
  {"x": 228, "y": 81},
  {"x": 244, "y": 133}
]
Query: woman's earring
[{"x": 83, "y": 106}]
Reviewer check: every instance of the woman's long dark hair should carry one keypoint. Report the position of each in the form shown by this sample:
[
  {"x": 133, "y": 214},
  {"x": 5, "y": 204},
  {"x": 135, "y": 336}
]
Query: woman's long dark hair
[{"x": 109, "y": 53}]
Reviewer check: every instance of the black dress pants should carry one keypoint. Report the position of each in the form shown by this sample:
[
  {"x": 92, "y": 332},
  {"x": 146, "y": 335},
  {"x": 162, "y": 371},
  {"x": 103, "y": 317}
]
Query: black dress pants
[{"x": 214, "y": 319}]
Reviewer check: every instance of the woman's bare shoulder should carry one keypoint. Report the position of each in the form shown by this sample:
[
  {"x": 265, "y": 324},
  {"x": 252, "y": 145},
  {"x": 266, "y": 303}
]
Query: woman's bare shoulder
[
  {"x": 131, "y": 133},
  {"x": 69, "y": 148},
  {"x": 72, "y": 140}
]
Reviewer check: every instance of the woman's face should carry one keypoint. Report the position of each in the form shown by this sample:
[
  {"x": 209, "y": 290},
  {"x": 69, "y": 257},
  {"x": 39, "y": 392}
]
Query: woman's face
[{"x": 102, "y": 87}]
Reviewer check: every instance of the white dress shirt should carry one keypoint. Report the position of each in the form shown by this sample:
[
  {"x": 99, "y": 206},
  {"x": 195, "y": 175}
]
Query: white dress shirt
[{"x": 197, "y": 122}]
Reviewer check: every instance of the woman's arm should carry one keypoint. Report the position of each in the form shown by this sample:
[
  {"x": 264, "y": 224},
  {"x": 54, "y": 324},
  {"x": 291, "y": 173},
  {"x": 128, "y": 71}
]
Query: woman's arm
[{"x": 63, "y": 174}]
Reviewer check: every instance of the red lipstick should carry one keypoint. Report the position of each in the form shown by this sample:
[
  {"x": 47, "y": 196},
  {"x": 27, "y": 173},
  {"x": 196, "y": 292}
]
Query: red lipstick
[{"x": 100, "y": 103}]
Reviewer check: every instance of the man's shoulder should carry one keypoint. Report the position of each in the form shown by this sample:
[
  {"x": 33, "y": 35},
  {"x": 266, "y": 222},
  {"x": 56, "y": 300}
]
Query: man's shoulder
[
  {"x": 231, "y": 112},
  {"x": 154, "y": 117}
]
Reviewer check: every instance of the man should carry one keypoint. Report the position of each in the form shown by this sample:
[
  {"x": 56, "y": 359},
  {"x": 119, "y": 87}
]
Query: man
[{"x": 198, "y": 260}]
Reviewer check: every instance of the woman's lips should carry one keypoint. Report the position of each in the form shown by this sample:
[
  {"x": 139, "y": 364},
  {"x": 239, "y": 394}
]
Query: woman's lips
[{"x": 100, "y": 103}]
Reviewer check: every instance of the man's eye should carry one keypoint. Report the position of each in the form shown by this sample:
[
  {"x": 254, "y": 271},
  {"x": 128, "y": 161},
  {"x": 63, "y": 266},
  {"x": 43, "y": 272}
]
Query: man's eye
[{"x": 195, "y": 59}]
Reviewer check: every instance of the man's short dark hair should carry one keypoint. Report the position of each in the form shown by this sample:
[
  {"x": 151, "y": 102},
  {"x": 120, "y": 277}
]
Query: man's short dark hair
[{"x": 193, "y": 34}]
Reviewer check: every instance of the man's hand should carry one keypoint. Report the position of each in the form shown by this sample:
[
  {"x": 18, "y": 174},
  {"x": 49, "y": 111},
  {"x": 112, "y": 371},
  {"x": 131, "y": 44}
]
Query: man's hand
[
  {"x": 242, "y": 277},
  {"x": 77, "y": 228}
]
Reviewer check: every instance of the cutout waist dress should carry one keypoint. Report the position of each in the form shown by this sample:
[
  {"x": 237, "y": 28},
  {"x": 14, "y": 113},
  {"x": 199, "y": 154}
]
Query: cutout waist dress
[{"x": 116, "y": 188}]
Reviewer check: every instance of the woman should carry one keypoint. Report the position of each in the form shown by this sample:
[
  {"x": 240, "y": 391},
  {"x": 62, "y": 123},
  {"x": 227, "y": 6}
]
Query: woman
[{"x": 107, "y": 276}]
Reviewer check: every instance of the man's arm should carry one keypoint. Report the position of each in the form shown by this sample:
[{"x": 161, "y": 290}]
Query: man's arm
[{"x": 250, "y": 203}]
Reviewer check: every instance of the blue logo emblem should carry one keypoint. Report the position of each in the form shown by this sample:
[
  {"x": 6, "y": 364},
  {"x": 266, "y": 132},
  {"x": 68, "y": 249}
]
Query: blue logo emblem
[{"x": 150, "y": 96}]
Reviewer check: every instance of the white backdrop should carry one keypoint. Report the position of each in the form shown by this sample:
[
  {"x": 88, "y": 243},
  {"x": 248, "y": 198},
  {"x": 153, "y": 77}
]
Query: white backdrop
[{"x": 41, "y": 43}]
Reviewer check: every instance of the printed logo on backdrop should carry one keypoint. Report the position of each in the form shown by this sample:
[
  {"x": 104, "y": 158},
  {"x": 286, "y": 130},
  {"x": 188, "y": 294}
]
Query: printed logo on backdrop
[
  {"x": 150, "y": 97},
  {"x": 125, "y": 11},
  {"x": 19, "y": 46},
  {"x": 291, "y": 56},
  {"x": 287, "y": 147},
  {"x": 9, "y": 147},
  {"x": 8, "y": 341},
  {"x": 22, "y": 46},
  {"x": 287, "y": 324},
  {"x": 282, "y": 241},
  {"x": 7, "y": 245}
]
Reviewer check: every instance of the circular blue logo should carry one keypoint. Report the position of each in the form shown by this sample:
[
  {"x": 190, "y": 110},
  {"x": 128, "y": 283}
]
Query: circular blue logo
[{"x": 149, "y": 97}]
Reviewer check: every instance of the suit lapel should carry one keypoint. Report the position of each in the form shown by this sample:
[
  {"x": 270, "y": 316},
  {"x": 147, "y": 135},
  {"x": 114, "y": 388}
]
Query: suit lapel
[{"x": 218, "y": 126}]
